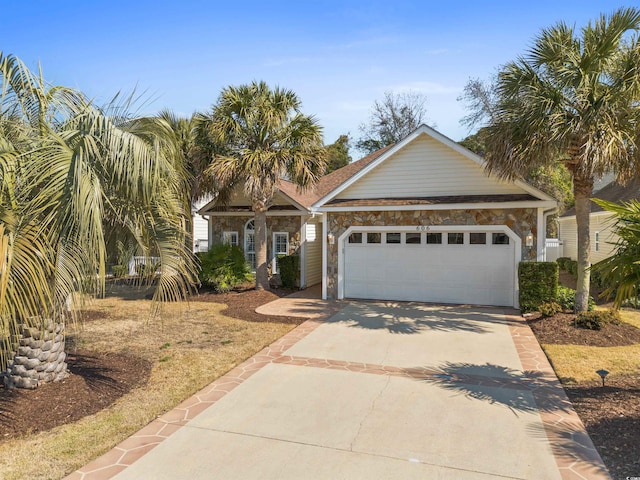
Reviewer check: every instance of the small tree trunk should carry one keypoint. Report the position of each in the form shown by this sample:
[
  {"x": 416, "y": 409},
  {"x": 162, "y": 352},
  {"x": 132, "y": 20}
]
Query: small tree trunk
[
  {"x": 582, "y": 190},
  {"x": 262, "y": 272}
]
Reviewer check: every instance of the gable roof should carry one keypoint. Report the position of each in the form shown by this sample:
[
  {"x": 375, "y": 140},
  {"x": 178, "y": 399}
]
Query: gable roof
[
  {"x": 613, "y": 192},
  {"x": 383, "y": 155}
]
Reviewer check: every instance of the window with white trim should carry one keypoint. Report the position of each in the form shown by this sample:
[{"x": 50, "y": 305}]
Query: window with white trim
[
  {"x": 596, "y": 242},
  {"x": 230, "y": 238},
  {"x": 250, "y": 244},
  {"x": 280, "y": 247}
]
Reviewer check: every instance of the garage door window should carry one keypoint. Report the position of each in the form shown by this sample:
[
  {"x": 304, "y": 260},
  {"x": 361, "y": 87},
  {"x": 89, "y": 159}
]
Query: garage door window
[
  {"x": 500, "y": 239},
  {"x": 434, "y": 238},
  {"x": 393, "y": 237},
  {"x": 414, "y": 238},
  {"x": 374, "y": 237},
  {"x": 455, "y": 238},
  {"x": 477, "y": 238},
  {"x": 355, "y": 238}
]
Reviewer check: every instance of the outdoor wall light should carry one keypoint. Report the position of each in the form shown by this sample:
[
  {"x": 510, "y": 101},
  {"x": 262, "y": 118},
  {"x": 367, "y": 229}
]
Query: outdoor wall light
[
  {"x": 331, "y": 238},
  {"x": 528, "y": 239},
  {"x": 603, "y": 374}
]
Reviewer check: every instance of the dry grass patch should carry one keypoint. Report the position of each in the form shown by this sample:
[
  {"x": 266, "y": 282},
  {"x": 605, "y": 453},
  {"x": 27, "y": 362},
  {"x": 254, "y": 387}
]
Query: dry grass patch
[
  {"x": 578, "y": 363},
  {"x": 189, "y": 345}
]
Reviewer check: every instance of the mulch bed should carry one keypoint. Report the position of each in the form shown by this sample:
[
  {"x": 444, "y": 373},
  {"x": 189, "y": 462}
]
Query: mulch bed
[
  {"x": 611, "y": 414},
  {"x": 612, "y": 417},
  {"x": 94, "y": 383},
  {"x": 560, "y": 330},
  {"x": 241, "y": 303}
]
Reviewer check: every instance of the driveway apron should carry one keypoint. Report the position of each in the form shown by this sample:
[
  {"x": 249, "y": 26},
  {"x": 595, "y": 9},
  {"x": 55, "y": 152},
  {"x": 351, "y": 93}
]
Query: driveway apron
[{"x": 381, "y": 390}]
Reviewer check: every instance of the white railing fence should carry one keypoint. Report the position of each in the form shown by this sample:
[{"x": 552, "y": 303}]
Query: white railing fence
[{"x": 135, "y": 261}]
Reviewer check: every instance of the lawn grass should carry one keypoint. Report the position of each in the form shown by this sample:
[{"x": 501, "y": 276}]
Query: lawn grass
[
  {"x": 189, "y": 346},
  {"x": 577, "y": 363}
]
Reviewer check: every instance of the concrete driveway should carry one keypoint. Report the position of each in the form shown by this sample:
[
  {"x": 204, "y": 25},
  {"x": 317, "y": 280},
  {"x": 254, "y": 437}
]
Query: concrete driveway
[{"x": 379, "y": 391}]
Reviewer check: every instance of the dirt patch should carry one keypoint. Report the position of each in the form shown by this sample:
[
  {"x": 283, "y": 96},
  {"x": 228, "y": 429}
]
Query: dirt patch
[
  {"x": 94, "y": 383},
  {"x": 560, "y": 330}
]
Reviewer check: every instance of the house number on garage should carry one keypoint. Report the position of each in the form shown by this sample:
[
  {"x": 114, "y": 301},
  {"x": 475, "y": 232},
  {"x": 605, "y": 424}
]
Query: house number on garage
[{"x": 422, "y": 228}]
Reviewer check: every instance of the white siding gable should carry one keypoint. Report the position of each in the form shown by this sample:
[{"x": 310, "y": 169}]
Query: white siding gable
[{"x": 427, "y": 168}]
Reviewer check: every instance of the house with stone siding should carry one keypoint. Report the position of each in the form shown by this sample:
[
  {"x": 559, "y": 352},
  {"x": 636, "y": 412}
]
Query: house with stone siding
[{"x": 420, "y": 220}]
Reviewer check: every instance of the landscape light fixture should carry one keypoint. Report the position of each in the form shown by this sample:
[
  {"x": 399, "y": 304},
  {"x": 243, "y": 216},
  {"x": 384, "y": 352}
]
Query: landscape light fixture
[
  {"x": 528, "y": 239},
  {"x": 603, "y": 373}
]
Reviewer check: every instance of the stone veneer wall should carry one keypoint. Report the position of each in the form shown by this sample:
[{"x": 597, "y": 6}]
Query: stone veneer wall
[
  {"x": 520, "y": 220},
  {"x": 289, "y": 224}
]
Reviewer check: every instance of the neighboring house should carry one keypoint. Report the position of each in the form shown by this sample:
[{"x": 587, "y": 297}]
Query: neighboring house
[
  {"x": 601, "y": 222},
  {"x": 420, "y": 220}
]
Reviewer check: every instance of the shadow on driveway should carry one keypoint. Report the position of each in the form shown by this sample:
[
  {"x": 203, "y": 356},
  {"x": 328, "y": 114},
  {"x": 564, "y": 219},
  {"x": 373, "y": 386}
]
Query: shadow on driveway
[
  {"x": 503, "y": 386},
  {"x": 411, "y": 318}
]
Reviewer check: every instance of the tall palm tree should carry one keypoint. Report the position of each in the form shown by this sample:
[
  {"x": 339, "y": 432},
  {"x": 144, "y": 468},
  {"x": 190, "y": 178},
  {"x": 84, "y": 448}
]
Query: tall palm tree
[
  {"x": 265, "y": 137},
  {"x": 573, "y": 97},
  {"x": 70, "y": 173}
]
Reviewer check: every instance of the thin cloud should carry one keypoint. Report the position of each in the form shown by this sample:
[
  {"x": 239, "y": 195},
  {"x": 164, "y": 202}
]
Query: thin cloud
[
  {"x": 439, "y": 51},
  {"x": 428, "y": 88}
]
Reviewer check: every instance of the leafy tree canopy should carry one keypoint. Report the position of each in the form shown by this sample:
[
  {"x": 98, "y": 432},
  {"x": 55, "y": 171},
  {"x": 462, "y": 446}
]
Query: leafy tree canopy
[
  {"x": 392, "y": 119},
  {"x": 338, "y": 153}
]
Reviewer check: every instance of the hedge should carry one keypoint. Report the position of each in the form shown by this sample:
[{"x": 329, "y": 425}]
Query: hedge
[
  {"x": 538, "y": 284},
  {"x": 289, "y": 269},
  {"x": 562, "y": 262}
]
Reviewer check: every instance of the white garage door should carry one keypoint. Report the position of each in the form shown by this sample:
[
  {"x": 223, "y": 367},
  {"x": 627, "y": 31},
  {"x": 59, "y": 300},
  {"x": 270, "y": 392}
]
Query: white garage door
[{"x": 472, "y": 267}]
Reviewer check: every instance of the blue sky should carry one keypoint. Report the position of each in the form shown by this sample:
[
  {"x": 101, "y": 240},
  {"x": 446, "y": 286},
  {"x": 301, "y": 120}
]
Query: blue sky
[{"x": 339, "y": 57}]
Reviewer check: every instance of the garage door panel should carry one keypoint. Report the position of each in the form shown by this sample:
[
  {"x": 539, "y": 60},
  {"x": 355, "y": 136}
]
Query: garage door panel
[{"x": 478, "y": 274}]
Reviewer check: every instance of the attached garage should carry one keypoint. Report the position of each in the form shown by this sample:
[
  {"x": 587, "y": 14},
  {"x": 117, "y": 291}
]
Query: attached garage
[{"x": 444, "y": 264}]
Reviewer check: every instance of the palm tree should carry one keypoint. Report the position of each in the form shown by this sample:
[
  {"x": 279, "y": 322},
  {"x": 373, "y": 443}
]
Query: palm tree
[
  {"x": 265, "y": 138},
  {"x": 70, "y": 173},
  {"x": 621, "y": 271},
  {"x": 572, "y": 97}
]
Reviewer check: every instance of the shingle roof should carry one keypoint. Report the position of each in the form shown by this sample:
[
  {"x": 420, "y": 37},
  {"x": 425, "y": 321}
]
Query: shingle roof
[
  {"x": 613, "y": 192},
  {"x": 329, "y": 182},
  {"x": 371, "y": 202}
]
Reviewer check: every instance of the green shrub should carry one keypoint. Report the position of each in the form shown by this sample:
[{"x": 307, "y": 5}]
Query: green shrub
[
  {"x": 119, "y": 271},
  {"x": 572, "y": 267},
  {"x": 223, "y": 268},
  {"x": 597, "y": 319},
  {"x": 562, "y": 262},
  {"x": 289, "y": 269},
  {"x": 566, "y": 298},
  {"x": 549, "y": 309},
  {"x": 538, "y": 284}
]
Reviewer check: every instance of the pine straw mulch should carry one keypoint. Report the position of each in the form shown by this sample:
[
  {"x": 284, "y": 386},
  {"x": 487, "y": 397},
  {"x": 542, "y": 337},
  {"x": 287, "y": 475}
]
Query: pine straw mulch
[
  {"x": 611, "y": 414},
  {"x": 97, "y": 380}
]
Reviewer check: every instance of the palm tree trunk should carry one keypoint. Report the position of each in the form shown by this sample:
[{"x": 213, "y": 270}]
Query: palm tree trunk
[
  {"x": 262, "y": 272},
  {"x": 582, "y": 190},
  {"x": 39, "y": 358}
]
